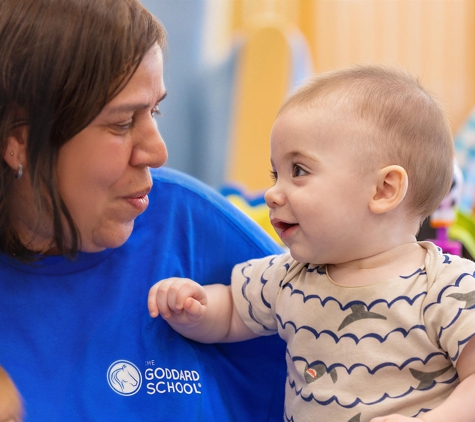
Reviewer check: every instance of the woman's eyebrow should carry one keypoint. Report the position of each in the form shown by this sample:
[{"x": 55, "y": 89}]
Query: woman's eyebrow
[{"x": 127, "y": 107}]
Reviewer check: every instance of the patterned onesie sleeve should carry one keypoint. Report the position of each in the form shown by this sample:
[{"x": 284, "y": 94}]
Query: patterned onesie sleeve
[
  {"x": 449, "y": 309},
  {"x": 256, "y": 284}
]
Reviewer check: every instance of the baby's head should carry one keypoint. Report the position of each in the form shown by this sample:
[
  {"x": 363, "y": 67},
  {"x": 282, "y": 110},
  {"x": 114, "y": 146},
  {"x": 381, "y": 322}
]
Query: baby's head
[
  {"x": 10, "y": 401},
  {"x": 396, "y": 121}
]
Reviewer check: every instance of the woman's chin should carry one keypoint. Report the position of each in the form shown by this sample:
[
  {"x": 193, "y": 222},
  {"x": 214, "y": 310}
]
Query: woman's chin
[{"x": 107, "y": 239}]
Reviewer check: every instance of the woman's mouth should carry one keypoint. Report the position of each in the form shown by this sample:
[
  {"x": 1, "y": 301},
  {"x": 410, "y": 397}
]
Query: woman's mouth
[{"x": 139, "y": 200}]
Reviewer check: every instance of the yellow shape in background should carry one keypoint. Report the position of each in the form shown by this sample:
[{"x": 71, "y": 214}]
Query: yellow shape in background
[
  {"x": 262, "y": 83},
  {"x": 258, "y": 213}
]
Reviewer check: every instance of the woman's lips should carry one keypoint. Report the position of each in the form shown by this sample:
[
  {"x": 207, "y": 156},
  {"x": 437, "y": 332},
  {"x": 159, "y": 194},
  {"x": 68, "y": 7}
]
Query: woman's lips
[{"x": 139, "y": 200}]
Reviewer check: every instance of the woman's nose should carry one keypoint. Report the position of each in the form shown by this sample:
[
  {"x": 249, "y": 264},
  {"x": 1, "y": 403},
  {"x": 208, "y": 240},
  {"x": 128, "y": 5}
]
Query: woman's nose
[{"x": 150, "y": 149}]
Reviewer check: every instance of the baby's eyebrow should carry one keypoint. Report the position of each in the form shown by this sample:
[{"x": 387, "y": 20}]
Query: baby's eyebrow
[{"x": 301, "y": 154}]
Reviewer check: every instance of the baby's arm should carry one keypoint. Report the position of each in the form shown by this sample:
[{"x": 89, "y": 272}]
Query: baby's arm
[
  {"x": 460, "y": 405},
  {"x": 203, "y": 313}
]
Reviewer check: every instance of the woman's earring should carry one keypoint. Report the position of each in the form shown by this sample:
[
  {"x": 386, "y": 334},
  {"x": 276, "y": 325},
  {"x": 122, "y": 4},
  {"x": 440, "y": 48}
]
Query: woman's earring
[{"x": 20, "y": 171}]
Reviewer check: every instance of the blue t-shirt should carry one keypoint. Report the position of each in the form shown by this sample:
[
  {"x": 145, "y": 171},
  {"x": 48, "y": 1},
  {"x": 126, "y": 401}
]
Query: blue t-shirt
[{"x": 77, "y": 339}]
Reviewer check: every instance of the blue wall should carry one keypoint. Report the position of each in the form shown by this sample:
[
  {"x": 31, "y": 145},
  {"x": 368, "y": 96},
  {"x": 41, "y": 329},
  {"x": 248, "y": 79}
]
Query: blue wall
[{"x": 196, "y": 136}]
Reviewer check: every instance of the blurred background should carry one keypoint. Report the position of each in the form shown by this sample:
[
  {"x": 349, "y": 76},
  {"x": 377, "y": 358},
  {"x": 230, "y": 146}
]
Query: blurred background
[{"x": 230, "y": 63}]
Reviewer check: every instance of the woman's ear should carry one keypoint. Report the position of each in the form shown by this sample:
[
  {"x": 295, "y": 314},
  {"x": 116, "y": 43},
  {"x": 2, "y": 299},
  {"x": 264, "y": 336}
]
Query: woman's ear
[
  {"x": 15, "y": 152},
  {"x": 390, "y": 189}
]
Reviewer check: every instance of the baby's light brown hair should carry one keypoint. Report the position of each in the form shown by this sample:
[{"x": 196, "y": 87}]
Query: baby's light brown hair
[{"x": 406, "y": 126}]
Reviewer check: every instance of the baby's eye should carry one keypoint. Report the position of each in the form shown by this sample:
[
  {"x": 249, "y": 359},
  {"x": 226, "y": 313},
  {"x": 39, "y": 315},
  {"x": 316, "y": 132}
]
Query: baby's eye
[
  {"x": 298, "y": 171},
  {"x": 273, "y": 175}
]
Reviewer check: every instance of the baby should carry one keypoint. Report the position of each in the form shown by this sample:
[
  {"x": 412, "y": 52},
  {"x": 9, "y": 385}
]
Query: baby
[
  {"x": 10, "y": 402},
  {"x": 375, "y": 323}
]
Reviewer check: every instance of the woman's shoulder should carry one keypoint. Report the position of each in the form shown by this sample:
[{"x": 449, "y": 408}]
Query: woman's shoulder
[
  {"x": 182, "y": 200},
  {"x": 175, "y": 181},
  {"x": 180, "y": 190}
]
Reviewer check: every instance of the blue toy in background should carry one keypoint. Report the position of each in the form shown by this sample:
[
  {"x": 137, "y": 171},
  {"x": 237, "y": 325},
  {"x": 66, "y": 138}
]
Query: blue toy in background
[{"x": 465, "y": 151}]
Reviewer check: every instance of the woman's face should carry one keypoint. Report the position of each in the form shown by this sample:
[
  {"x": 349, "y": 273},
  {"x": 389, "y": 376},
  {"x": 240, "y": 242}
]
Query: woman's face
[{"x": 103, "y": 171}]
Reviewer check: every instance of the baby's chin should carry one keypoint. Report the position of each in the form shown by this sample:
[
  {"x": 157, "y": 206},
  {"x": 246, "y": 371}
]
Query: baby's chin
[{"x": 301, "y": 256}]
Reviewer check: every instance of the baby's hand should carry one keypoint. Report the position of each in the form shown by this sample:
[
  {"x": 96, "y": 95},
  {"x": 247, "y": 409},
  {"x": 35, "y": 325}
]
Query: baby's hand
[{"x": 178, "y": 300}]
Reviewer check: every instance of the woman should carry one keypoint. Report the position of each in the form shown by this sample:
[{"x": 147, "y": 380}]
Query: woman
[{"x": 80, "y": 84}]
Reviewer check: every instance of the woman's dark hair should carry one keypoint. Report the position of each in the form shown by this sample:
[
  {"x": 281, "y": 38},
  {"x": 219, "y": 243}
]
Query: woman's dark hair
[{"x": 61, "y": 62}]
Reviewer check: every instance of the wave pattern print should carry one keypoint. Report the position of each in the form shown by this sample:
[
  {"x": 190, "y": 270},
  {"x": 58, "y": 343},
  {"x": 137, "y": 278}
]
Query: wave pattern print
[
  {"x": 447, "y": 259},
  {"x": 460, "y": 343},
  {"x": 244, "y": 295},
  {"x": 466, "y": 302},
  {"x": 353, "y": 337},
  {"x": 357, "y": 401},
  {"x": 357, "y": 353},
  {"x": 428, "y": 371},
  {"x": 421, "y": 411},
  {"x": 442, "y": 292},
  {"x": 323, "y": 302},
  {"x": 418, "y": 271},
  {"x": 355, "y": 366},
  {"x": 359, "y": 310},
  {"x": 263, "y": 282}
]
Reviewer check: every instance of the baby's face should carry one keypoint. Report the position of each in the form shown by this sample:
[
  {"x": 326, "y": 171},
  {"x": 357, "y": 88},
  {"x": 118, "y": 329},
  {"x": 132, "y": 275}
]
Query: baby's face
[{"x": 319, "y": 203}]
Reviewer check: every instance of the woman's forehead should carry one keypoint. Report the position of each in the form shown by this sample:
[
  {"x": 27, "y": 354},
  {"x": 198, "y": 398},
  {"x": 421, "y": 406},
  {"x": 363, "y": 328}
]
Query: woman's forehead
[{"x": 144, "y": 89}]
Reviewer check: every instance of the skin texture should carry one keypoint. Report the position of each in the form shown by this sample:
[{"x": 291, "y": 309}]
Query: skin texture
[
  {"x": 326, "y": 211},
  {"x": 11, "y": 409},
  {"x": 103, "y": 171}
]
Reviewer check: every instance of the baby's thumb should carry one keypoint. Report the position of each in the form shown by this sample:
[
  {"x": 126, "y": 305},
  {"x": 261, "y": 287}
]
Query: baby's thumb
[{"x": 194, "y": 309}]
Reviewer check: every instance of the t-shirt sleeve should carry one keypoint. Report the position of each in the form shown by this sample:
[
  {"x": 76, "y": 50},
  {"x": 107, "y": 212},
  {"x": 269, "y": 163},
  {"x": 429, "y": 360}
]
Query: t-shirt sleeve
[
  {"x": 449, "y": 311},
  {"x": 256, "y": 285}
]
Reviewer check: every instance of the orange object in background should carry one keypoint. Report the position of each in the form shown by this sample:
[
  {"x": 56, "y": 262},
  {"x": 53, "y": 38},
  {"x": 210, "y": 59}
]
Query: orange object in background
[{"x": 263, "y": 78}]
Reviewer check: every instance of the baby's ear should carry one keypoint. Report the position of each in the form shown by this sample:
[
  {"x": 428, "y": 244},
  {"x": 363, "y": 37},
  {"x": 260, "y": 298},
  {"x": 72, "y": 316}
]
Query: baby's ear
[{"x": 390, "y": 189}]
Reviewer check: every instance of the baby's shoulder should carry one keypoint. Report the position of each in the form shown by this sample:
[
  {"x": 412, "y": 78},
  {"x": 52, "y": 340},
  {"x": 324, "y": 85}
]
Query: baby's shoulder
[
  {"x": 445, "y": 270},
  {"x": 272, "y": 267}
]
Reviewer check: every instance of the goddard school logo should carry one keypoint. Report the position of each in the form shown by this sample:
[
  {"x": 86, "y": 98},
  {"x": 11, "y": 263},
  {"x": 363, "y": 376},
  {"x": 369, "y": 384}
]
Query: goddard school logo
[
  {"x": 172, "y": 381},
  {"x": 124, "y": 378}
]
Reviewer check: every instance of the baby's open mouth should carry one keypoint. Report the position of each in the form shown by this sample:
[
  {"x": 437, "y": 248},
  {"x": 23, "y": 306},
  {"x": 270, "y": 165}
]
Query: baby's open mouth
[{"x": 283, "y": 226}]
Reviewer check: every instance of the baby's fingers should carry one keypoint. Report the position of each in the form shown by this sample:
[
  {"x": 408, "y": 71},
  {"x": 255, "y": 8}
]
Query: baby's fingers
[
  {"x": 152, "y": 301},
  {"x": 188, "y": 290},
  {"x": 168, "y": 297},
  {"x": 158, "y": 297},
  {"x": 194, "y": 309}
]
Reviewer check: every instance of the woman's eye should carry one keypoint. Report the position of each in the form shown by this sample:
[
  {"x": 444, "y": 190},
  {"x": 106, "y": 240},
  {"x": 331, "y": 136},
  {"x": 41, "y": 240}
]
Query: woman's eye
[
  {"x": 123, "y": 127},
  {"x": 298, "y": 171},
  {"x": 155, "y": 111}
]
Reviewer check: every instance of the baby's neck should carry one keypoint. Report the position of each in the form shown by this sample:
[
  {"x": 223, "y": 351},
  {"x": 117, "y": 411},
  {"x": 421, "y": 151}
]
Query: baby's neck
[{"x": 401, "y": 259}]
